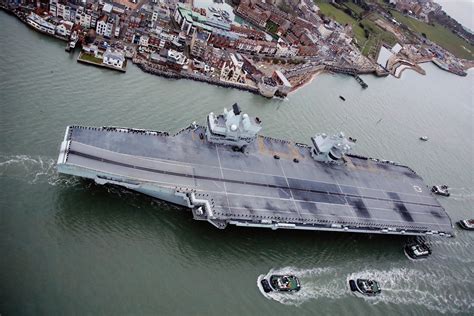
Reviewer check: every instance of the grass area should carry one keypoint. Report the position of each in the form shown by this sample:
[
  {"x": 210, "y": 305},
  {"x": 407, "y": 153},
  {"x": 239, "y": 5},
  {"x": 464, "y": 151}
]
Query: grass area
[
  {"x": 377, "y": 35},
  {"x": 378, "y": 32},
  {"x": 438, "y": 34},
  {"x": 343, "y": 18},
  {"x": 271, "y": 27},
  {"x": 354, "y": 7},
  {"x": 91, "y": 58}
]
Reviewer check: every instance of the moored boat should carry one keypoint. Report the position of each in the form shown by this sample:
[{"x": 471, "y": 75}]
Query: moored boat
[{"x": 281, "y": 283}]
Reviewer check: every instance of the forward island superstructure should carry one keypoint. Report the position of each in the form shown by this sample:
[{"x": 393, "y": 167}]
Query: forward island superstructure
[{"x": 227, "y": 173}]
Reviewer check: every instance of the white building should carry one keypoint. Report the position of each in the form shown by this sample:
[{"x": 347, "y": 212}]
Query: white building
[
  {"x": 232, "y": 71},
  {"x": 286, "y": 50},
  {"x": 176, "y": 57},
  {"x": 53, "y": 4},
  {"x": 160, "y": 11},
  {"x": 114, "y": 58},
  {"x": 144, "y": 40},
  {"x": 105, "y": 26},
  {"x": 40, "y": 24},
  {"x": 64, "y": 28}
]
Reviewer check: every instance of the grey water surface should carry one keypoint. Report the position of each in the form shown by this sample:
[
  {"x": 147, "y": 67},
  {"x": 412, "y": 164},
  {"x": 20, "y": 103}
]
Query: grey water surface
[{"x": 68, "y": 246}]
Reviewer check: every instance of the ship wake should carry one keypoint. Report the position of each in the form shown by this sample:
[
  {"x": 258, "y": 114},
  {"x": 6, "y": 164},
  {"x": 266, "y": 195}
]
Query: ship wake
[
  {"x": 400, "y": 286},
  {"x": 33, "y": 170},
  {"x": 430, "y": 289},
  {"x": 311, "y": 285}
]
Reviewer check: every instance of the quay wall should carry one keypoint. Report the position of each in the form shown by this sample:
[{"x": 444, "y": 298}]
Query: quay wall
[{"x": 144, "y": 66}]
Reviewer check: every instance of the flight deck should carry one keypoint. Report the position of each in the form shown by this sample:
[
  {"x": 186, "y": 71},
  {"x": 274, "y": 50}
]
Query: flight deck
[{"x": 257, "y": 181}]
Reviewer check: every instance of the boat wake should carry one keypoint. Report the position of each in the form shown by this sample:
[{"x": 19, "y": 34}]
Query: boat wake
[
  {"x": 312, "y": 286},
  {"x": 33, "y": 170},
  {"x": 413, "y": 287},
  {"x": 461, "y": 194},
  {"x": 400, "y": 286}
]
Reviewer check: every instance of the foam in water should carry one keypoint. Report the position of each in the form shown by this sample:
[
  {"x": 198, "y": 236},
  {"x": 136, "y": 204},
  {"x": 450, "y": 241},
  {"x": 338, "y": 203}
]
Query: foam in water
[
  {"x": 413, "y": 287},
  {"x": 400, "y": 286},
  {"x": 311, "y": 285},
  {"x": 33, "y": 170}
]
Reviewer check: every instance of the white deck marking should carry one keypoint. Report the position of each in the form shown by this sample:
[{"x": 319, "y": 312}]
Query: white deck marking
[
  {"x": 289, "y": 188},
  {"x": 187, "y": 164},
  {"x": 222, "y": 175},
  {"x": 173, "y": 185}
]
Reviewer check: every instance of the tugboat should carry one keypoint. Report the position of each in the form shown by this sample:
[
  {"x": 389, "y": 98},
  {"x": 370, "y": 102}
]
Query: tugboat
[
  {"x": 281, "y": 283},
  {"x": 365, "y": 287},
  {"x": 424, "y": 138},
  {"x": 467, "y": 224},
  {"x": 440, "y": 190},
  {"x": 417, "y": 251}
]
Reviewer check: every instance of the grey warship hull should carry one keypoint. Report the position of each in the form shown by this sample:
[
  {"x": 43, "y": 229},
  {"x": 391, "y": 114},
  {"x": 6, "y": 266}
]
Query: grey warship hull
[{"x": 272, "y": 183}]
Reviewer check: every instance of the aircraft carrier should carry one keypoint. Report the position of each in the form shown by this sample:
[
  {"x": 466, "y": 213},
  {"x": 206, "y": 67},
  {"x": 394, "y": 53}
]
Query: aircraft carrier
[{"x": 227, "y": 173}]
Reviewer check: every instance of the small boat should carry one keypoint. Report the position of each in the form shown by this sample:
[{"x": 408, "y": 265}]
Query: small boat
[
  {"x": 365, "y": 287},
  {"x": 417, "y": 251},
  {"x": 281, "y": 283},
  {"x": 440, "y": 190},
  {"x": 467, "y": 224},
  {"x": 424, "y": 138},
  {"x": 342, "y": 98}
]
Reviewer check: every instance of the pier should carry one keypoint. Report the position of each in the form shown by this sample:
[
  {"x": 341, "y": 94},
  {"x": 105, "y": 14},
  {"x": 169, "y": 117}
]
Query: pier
[{"x": 349, "y": 71}]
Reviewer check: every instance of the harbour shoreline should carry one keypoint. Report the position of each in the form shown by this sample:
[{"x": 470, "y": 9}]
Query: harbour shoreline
[{"x": 145, "y": 67}]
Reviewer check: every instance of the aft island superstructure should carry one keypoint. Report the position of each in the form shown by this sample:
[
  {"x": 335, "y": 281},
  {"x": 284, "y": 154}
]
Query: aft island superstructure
[{"x": 227, "y": 173}]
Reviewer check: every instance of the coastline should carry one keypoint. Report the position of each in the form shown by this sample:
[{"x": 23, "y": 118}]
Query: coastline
[
  {"x": 308, "y": 81},
  {"x": 154, "y": 69}
]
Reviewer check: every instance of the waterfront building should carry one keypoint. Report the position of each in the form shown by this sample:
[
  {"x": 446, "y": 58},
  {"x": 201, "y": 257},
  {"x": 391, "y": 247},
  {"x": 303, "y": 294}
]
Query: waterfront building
[
  {"x": 224, "y": 39},
  {"x": 199, "y": 43},
  {"x": 232, "y": 71},
  {"x": 190, "y": 20},
  {"x": 177, "y": 58},
  {"x": 245, "y": 45},
  {"x": 94, "y": 17},
  {"x": 114, "y": 58},
  {"x": 84, "y": 18},
  {"x": 144, "y": 40},
  {"x": 109, "y": 27},
  {"x": 267, "y": 48},
  {"x": 53, "y": 7},
  {"x": 284, "y": 86},
  {"x": 283, "y": 50},
  {"x": 105, "y": 26},
  {"x": 64, "y": 28},
  {"x": 117, "y": 27},
  {"x": 40, "y": 24},
  {"x": 101, "y": 25},
  {"x": 267, "y": 87}
]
